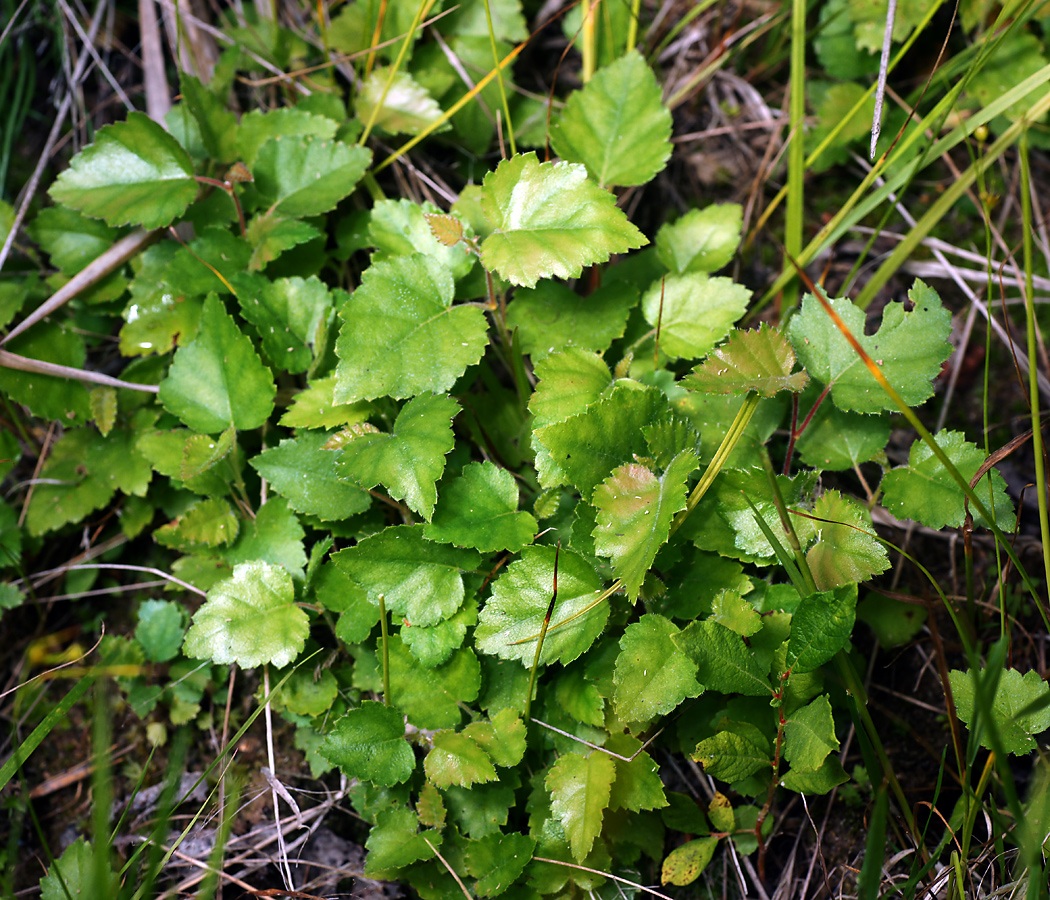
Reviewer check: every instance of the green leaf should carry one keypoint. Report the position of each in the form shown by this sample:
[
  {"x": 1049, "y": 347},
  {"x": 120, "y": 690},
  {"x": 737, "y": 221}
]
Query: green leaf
[
  {"x": 218, "y": 380},
  {"x": 402, "y": 336},
  {"x": 637, "y": 784},
  {"x": 809, "y": 735},
  {"x": 306, "y": 691},
  {"x": 616, "y": 125},
  {"x": 160, "y": 629},
  {"x": 1013, "y": 693},
  {"x": 569, "y": 382},
  {"x": 694, "y": 312},
  {"x": 551, "y": 317},
  {"x": 578, "y": 698},
  {"x": 217, "y": 125},
  {"x": 71, "y": 240},
  {"x": 395, "y": 842},
  {"x": 202, "y": 452},
  {"x": 497, "y": 861},
  {"x": 585, "y": 448},
  {"x": 369, "y": 743},
  {"x": 510, "y": 622},
  {"x": 303, "y": 176},
  {"x": 816, "y": 781},
  {"x": 847, "y": 550},
  {"x": 456, "y": 759},
  {"x": 417, "y": 578},
  {"x": 580, "y": 787},
  {"x": 759, "y": 361},
  {"x": 432, "y": 645},
  {"x": 408, "y": 461},
  {"x": 315, "y": 407},
  {"x": 47, "y": 396},
  {"x": 271, "y": 235},
  {"x": 635, "y": 509},
  {"x": 480, "y": 510},
  {"x": 70, "y": 489},
  {"x": 275, "y": 537},
  {"x": 652, "y": 675},
  {"x": 134, "y": 172},
  {"x": 684, "y": 864},
  {"x": 431, "y": 807},
  {"x": 835, "y": 440},
  {"x": 724, "y": 662},
  {"x": 75, "y": 872},
  {"x": 170, "y": 452},
  {"x": 209, "y": 522},
  {"x": 550, "y": 221},
  {"x": 483, "y": 809},
  {"x": 402, "y": 228},
  {"x": 909, "y": 347},
  {"x": 503, "y": 738},
  {"x": 257, "y": 127},
  {"x": 508, "y": 22},
  {"x": 305, "y": 474},
  {"x": 406, "y": 108},
  {"x": 249, "y": 619},
  {"x": 923, "y": 490},
  {"x": 290, "y": 315},
  {"x": 820, "y": 627},
  {"x": 703, "y": 240},
  {"x": 431, "y": 697},
  {"x": 731, "y": 757}
]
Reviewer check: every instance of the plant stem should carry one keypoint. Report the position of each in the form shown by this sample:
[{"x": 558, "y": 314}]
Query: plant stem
[{"x": 386, "y": 650}]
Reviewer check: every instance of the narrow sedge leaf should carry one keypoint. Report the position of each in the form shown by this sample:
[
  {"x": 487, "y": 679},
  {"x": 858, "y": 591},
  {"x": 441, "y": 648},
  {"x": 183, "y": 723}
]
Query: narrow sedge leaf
[
  {"x": 1014, "y": 693},
  {"x": 580, "y": 787},
  {"x": 402, "y": 336},
  {"x": 759, "y": 361},
  {"x": 847, "y": 550},
  {"x": 407, "y": 107},
  {"x": 923, "y": 490},
  {"x": 703, "y": 240},
  {"x": 218, "y": 380},
  {"x": 652, "y": 676},
  {"x": 820, "y": 628},
  {"x": 304, "y": 176},
  {"x": 369, "y": 743},
  {"x": 249, "y": 619},
  {"x": 724, "y": 662},
  {"x": 568, "y": 383},
  {"x": 134, "y": 173},
  {"x": 510, "y": 622},
  {"x": 909, "y": 348},
  {"x": 408, "y": 461},
  {"x": 684, "y": 864},
  {"x": 305, "y": 474},
  {"x": 456, "y": 759},
  {"x": 809, "y": 735},
  {"x": 497, "y": 861},
  {"x": 635, "y": 509},
  {"x": 694, "y": 312},
  {"x": 550, "y": 221},
  {"x": 418, "y": 579},
  {"x": 480, "y": 510},
  {"x": 731, "y": 757},
  {"x": 616, "y": 125}
]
